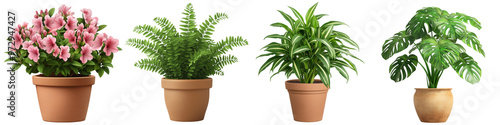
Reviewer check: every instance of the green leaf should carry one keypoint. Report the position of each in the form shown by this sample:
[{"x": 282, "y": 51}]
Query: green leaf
[
  {"x": 16, "y": 66},
  {"x": 399, "y": 42},
  {"x": 451, "y": 27},
  {"x": 76, "y": 63},
  {"x": 268, "y": 63},
  {"x": 282, "y": 26},
  {"x": 300, "y": 50},
  {"x": 325, "y": 60},
  {"x": 472, "y": 41},
  {"x": 80, "y": 20},
  {"x": 296, "y": 68},
  {"x": 403, "y": 67},
  {"x": 440, "y": 54},
  {"x": 333, "y": 23},
  {"x": 101, "y": 27},
  {"x": 40, "y": 68},
  {"x": 53, "y": 63},
  {"x": 106, "y": 69},
  {"x": 310, "y": 13},
  {"x": 100, "y": 71},
  {"x": 324, "y": 74},
  {"x": 297, "y": 14},
  {"x": 51, "y": 11},
  {"x": 287, "y": 17},
  {"x": 425, "y": 17},
  {"x": 330, "y": 50},
  {"x": 90, "y": 63},
  {"x": 467, "y": 68}
]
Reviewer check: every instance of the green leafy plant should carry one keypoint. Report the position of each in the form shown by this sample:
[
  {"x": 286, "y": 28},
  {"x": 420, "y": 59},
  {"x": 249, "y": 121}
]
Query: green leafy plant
[
  {"x": 308, "y": 48},
  {"x": 189, "y": 54},
  {"x": 438, "y": 32}
]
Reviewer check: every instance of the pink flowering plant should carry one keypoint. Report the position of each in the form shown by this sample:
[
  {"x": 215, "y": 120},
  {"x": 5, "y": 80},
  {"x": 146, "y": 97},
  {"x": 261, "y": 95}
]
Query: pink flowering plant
[{"x": 59, "y": 44}]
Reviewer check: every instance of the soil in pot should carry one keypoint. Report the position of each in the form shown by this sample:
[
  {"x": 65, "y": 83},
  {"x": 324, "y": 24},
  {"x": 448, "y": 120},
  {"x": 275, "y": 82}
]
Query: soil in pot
[
  {"x": 186, "y": 100},
  {"x": 63, "y": 99},
  {"x": 433, "y": 104},
  {"x": 307, "y": 100}
]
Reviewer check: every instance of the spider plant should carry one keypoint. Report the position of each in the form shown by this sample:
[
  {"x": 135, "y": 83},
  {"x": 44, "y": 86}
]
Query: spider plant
[
  {"x": 434, "y": 33},
  {"x": 309, "y": 48}
]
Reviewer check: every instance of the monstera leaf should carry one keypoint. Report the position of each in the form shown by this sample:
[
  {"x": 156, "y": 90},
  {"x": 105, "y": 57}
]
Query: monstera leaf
[
  {"x": 467, "y": 68},
  {"x": 396, "y": 44},
  {"x": 426, "y": 16},
  {"x": 471, "y": 40},
  {"x": 403, "y": 67},
  {"x": 440, "y": 53},
  {"x": 451, "y": 27}
]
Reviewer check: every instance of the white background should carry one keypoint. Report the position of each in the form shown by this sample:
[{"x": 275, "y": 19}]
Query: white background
[{"x": 131, "y": 96}]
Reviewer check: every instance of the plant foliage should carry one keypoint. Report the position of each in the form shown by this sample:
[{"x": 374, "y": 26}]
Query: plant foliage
[
  {"x": 188, "y": 54},
  {"x": 308, "y": 48},
  {"x": 438, "y": 32}
]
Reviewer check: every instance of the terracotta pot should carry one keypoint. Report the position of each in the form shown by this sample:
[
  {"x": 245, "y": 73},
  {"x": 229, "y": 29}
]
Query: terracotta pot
[
  {"x": 433, "y": 104},
  {"x": 63, "y": 99},
  {"x": 308, "y": 100},
  {"x": 186, "y": 99}
]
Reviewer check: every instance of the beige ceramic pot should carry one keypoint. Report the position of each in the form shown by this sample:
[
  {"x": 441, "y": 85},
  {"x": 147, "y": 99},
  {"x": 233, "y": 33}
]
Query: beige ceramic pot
[
  {"x": 308, "y": 100},
  {"x": 186, "y": 99},
  {"x": 433, "y": 104},
  {"x": 63, "y": 99}
]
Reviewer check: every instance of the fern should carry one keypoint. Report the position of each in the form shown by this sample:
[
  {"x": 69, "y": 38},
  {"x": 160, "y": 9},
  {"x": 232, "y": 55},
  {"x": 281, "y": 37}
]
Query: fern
[{"x": 188, "y": 54}]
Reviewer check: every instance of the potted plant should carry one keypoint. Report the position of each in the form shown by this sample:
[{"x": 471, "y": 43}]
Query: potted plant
[
  {"x": 185, "y": 59},
  {"x": 309, "y": 49},
  {"x": 438, "y": 32},
  {"x": 65, "y": 50}
]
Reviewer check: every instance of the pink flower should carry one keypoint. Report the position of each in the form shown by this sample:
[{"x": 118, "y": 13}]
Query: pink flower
[
  {"x": 101, "y": 38},
  {"x": 64, "y": 53},
  {"x": 71, "y": 23},
  {"x": 54, "y": 23},
  {"x": 56, "y": 51},
  {"x": 27, "y": 44},
  {"x": 36, "y": 38},
  {"x": 87, "y": 14},
  {"x": 33, "y": 53},
  {"x": 88, "y": 37},
  {"x": 70, "y": 35},
  {"x": 94, "y": 21},
  {"x": 49, "y": 44},
  {"x": 37, "y": 25},
  {"x": 17, "y": 40},
  {"x": 64, "y": 10},
  {"x": 86, "y": 53},
  {"x": 111, "y": 46},
  {"x": 79, "y": 30},
  {"x": 92, "y": 29}
]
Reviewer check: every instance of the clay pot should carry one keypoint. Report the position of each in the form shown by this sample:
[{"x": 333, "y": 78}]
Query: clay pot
[
  {"x": 186, "y": 99},
  {"x": 308, "y": 100},
  {"x": 63, "y": 99},
  {"x": 433, "y": 104}
]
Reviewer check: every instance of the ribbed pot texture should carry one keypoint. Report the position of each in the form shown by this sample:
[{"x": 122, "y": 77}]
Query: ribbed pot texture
[
  {"x": 63, "y": 99},
  {"x": 186, "y": 100},
  {"x": 433, "y": 104},
  {"x": 307, "y": 100}
]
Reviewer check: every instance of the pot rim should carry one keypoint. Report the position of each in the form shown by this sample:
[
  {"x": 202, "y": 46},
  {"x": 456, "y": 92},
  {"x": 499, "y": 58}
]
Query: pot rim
[
  {"x": 433, "y": 88},
  {"x": 186, "y": 84},
  {"x": 41, "y": 80},
  {"x": 305, "y": 86}
]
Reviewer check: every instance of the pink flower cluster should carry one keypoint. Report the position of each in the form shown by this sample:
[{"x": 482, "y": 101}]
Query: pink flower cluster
[{"x": 44, "y": 33}]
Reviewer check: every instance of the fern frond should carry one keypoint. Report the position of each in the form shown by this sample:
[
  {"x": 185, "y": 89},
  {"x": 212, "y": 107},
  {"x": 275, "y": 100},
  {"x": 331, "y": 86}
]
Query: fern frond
[
  {"x": 153, "y": 65},
  {"x": 207, "y": 27},
  {"x": 194, "y": 58},
  {"x": 224, "y": 60},
  {"x": 227, "y": 44},
  {"x": 148, "y": 48},
  {"x": 167, "y": 26},
  {"x": 189, "y": 24},
  {"x": 150, "y": 32}
]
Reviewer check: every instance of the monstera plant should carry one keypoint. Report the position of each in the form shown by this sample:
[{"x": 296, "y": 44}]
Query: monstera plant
[
  {"x": 437, "y": 36},
  {"x": 440, "y": 34}
]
